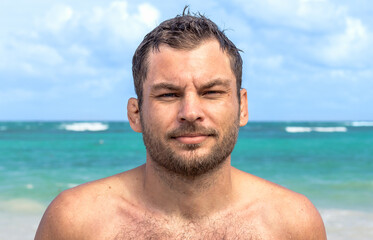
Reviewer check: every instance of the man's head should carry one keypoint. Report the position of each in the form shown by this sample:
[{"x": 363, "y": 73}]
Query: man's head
[
  {"x": 184, "y": 32},
  {"x": 191, "y": 105}
]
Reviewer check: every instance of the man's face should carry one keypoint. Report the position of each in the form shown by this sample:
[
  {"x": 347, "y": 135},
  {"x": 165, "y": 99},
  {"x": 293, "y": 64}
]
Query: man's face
[{"x": 190, "y": 109}]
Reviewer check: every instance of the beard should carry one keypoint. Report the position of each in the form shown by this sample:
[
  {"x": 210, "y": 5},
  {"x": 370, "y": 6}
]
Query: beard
[{"x": 190, "y": 163}]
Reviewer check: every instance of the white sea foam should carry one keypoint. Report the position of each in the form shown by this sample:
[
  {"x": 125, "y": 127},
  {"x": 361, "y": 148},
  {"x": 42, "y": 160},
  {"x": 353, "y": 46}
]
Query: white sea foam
[
  {"x": 3, "y": 128},
  {"x": 315, "y": 129},
  {"x": 298, "y": 129},
  {"x": 329, "y": 129},
  {"x": 342, "y": 224},
  {"x": 362, "y": 124},
  {"x": 85, "y": 126}
]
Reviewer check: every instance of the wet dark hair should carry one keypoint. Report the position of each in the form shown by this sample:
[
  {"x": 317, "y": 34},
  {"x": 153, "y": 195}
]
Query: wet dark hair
[{"x": 186, "y": 31}]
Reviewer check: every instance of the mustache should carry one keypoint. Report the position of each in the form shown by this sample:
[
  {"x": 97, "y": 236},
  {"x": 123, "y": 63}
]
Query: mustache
[{"x": 191, "y": 128}]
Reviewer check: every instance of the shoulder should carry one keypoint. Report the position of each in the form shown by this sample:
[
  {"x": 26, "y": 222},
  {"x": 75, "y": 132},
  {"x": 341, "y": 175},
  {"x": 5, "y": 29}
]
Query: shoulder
[
  {"x": 303, "y": 218},
  {"x": 74, "y": 212},
  {"x": 71, "y": 210},
  {"x": 61, "y": 219},
  {"x": 291, "y": 211}
]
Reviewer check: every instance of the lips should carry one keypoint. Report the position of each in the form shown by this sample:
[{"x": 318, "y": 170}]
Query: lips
[
  {"x": 191, "y": 134},
  {"x": 191, "y": 138}
]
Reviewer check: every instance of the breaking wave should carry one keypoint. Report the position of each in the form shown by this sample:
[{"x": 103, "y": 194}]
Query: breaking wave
[
  {"x": 315, "y": 129},
  {"x": 85, "y": 126},
  {"x": 362, "y": 124}
]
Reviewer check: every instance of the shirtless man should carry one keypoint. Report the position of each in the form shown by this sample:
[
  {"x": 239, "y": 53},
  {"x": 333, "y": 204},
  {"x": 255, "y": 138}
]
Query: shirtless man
[{"x": 189, "y": 109}]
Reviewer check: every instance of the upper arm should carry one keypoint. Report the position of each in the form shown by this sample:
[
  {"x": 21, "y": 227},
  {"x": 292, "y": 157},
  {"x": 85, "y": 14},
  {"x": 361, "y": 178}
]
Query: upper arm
[
  {"x": 308, "y": 223},
  {"x": 59, "y": 221}
]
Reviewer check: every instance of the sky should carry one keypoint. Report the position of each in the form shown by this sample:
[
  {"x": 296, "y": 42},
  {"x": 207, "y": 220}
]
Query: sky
[{"x": 304, "y": 60}]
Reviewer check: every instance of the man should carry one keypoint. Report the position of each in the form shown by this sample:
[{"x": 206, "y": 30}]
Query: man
[{"x": 189, "y": 109}]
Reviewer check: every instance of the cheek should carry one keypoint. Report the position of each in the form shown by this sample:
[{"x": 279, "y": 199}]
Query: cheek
[
  {"x": 158, "y": 118},
  {"x": 227, "y": 106},
  {"x": 223, "y": 113}
]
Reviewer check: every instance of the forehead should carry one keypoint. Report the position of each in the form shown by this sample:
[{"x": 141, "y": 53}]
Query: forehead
[{"x": 204, "y": 63}]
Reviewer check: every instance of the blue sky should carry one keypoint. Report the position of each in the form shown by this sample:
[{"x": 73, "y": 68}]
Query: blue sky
[{"x": 71, "y": 60}]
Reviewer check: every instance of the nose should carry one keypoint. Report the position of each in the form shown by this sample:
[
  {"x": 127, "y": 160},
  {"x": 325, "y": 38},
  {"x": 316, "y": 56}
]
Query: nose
[{"x": 190, "y": 109}]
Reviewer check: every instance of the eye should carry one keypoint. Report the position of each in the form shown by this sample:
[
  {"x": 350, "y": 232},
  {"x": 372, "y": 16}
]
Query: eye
[
  {"x": 212, "y": 93},
  {"x": 168, "y": 95}
]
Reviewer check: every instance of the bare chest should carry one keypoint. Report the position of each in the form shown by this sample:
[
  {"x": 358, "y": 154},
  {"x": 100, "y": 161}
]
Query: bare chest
[{"x": 157, "y": 229}]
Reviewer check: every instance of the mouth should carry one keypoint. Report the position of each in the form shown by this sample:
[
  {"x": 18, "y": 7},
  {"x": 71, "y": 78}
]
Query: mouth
[
  {"x": 191, "y": 138},
  {"x": 192, "y": 134}
]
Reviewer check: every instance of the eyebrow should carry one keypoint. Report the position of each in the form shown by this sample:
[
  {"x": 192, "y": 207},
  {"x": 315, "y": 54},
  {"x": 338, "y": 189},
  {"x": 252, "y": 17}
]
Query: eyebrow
[
  {"x": 216, "y": 82},
  {"x": 212, "y": 83},
  {"x": 167, "y": 86}
]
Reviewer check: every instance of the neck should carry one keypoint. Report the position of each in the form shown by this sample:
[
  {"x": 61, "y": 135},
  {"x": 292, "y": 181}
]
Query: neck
[{"x": 187, "y": 197}]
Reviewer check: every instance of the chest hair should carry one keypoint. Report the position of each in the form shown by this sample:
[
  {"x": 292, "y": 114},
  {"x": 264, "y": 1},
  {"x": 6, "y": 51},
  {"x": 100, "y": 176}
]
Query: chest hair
[{"x": 228, "y": 227}]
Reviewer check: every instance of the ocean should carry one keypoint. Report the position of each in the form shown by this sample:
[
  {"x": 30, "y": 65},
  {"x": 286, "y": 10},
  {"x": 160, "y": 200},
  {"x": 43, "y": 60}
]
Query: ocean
[{"x": 329, "y": 162}]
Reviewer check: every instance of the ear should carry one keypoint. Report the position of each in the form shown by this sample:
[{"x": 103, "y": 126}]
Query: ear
[
  {"x": 244, "y": 112},
  {"x": 133, "y": 114}
]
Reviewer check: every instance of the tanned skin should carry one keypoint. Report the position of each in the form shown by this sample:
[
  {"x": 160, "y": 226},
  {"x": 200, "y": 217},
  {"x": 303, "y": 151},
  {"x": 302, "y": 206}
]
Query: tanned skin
[{"x": 150, "y": 202}]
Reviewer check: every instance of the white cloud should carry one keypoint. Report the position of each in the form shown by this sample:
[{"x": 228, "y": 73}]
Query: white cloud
[
  {"x": 317, "y": 13},
  {"x": 42, "y": 54},
  {"x": 116, "y": 21},
  {"x": 350, "y": 47},
  {"x": 77, "y": 50},
  {"x": 130, "y": 26},
  {"x": 70, "y": 40},
  {"x": 266, "y": 63},
  {"x": 148, "y": 15},
  {"x": 57, "y": 18},
  {"x": 29, "y": 57},
  {"x": 295, "y": 51},
  {"x": 315, "y": 32},
  {"x": 74, "y": 52},
  {"x": 301, "y": 14}
]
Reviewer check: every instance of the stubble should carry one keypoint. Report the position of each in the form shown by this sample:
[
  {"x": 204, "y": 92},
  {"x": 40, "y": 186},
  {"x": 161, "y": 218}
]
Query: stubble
[{"x": 190, "y": 163}]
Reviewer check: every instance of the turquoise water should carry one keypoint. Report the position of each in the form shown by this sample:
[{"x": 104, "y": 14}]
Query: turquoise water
[{"x": 329, "y": 162}]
